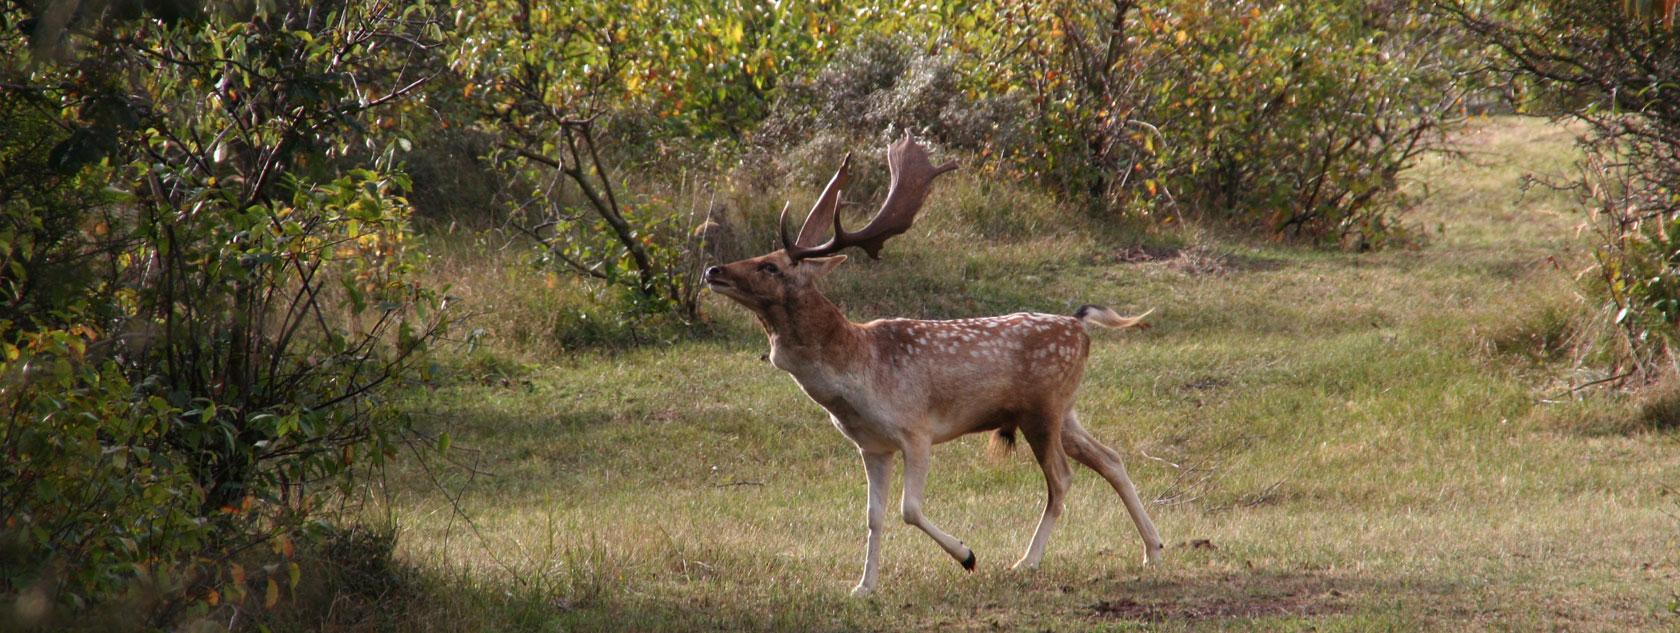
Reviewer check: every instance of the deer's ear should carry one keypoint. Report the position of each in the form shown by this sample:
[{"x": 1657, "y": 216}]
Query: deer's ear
[{"x": 819, "y": 267}]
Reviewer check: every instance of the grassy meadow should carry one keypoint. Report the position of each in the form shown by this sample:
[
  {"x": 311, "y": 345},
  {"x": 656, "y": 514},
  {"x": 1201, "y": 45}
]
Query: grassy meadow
[{"x": 1332, "y": 441}]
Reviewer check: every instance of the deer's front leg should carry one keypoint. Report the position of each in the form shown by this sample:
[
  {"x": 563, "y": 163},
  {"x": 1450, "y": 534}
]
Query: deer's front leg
[
  {"x": 878, "y": 467},
  {"x": 917, "y": 457}
]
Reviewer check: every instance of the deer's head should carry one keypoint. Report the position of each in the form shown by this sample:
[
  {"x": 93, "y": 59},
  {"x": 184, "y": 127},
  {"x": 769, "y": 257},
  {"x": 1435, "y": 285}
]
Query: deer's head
[{"x": 781, "y": 276}]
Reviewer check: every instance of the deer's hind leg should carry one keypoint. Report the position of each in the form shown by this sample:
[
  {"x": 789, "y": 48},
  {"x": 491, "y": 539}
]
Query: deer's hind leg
[
  {"x": 1094, "y": 455},
  {"x": 1044, "y": 435}
]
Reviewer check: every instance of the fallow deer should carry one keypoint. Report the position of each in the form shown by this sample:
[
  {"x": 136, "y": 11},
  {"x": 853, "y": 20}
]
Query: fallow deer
[{"x": 902, "y": 385}]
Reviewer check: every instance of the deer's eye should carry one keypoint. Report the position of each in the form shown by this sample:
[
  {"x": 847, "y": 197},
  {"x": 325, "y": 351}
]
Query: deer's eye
[{"x": 769, "y": 268}]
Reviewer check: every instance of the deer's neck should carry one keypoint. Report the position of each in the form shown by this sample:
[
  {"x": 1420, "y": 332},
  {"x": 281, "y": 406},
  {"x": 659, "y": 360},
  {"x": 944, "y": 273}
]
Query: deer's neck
[{"x": 810, "y": 331}]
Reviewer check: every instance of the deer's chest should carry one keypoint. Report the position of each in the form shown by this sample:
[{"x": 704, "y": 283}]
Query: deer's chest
[{"x": 853, "y": 409}]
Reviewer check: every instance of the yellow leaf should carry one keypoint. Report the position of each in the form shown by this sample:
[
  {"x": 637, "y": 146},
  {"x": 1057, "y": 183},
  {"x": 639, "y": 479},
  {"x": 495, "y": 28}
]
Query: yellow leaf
[
  {"x": 273, "y": 594},
  {"x": 214, "y": 598},
  {"x": 238, "y": 573},
  {"x": 1181, "y": 36}
]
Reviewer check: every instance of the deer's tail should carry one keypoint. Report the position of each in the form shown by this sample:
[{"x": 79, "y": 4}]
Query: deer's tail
[
  {"x": 1088, "y": 314},
  {"x": 1003, "y": 440}
]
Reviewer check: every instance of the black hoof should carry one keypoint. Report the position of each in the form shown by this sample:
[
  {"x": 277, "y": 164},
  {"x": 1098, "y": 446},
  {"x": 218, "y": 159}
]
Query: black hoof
[{"x": 968, "y": 563}]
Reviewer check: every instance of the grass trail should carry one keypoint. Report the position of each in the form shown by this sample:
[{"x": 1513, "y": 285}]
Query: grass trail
[{"x": 1333, "y": 441}]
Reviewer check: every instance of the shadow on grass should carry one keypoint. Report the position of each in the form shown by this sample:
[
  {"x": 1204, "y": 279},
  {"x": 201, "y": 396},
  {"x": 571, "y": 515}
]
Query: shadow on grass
[
  {"x": 1659, "y": 412},
  {"x": 366, "y": 590},
  {"x": 456, "y": 602},
  {"x": 1656, "y": 409}
]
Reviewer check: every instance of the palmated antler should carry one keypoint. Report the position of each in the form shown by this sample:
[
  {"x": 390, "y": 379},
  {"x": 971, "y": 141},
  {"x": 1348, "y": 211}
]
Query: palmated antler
[{"x": 912, "y": 173}]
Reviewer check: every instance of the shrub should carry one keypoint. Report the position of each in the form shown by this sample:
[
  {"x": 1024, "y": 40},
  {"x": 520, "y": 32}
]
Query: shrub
[
  {"x": 199, "y": 345},
  {"x": 880, "y": 86},
  {"x": 1300, "y": 118},
  {"x": 1295, "y": 117},
  {"x": 1617, "y": 67},
  {"x": 1636, "y": 229}
]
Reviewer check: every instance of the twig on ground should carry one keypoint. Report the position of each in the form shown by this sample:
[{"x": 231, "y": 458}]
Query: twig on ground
[{"x": 738, "y": 482}]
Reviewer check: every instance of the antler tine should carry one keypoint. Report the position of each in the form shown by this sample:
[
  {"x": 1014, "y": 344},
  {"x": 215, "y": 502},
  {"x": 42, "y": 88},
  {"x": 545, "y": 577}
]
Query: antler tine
[
  {"x": 781, "y": 227},
  {"x": 912, "y": 174},
  {"x": 912, "y": 178},
  {"x": 827, "y": 208}
]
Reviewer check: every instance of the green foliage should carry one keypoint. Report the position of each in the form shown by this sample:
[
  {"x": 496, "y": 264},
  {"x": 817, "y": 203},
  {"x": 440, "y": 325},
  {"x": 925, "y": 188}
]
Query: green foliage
[
  {"x": 89, "y": 495},
  {"x": 1639, "y": 269},
  {"x": 707, "y": 69},
  {"x": 197, "y": 344},
  {"x": 1282, "y": 115},
  {"x": 1300, "y": 117},
  {"x": 1637, "y": 227}
]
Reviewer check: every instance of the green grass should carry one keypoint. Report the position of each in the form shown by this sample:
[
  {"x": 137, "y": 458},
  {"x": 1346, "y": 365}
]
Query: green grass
[{"x": 1335, "y": 442}]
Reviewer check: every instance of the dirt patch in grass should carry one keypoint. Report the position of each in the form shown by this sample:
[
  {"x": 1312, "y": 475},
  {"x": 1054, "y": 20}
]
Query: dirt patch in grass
[
  {"x": 1233, "y": 598},
  {"x": 1280, "y": 606}
]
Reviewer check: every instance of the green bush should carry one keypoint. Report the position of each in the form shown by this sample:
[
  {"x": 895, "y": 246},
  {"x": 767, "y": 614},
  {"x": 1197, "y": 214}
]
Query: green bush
[
  {"x": 88, "y": 498},
  {"x": 1299, "y": 118},
  {"x": 1293, "y": 117},
  {"x": 208, "y": 291}
]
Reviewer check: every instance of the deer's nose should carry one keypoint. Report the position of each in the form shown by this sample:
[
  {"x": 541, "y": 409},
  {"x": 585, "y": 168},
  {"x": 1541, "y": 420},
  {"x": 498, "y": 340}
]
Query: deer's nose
[{"x": 714, "y": 272}]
